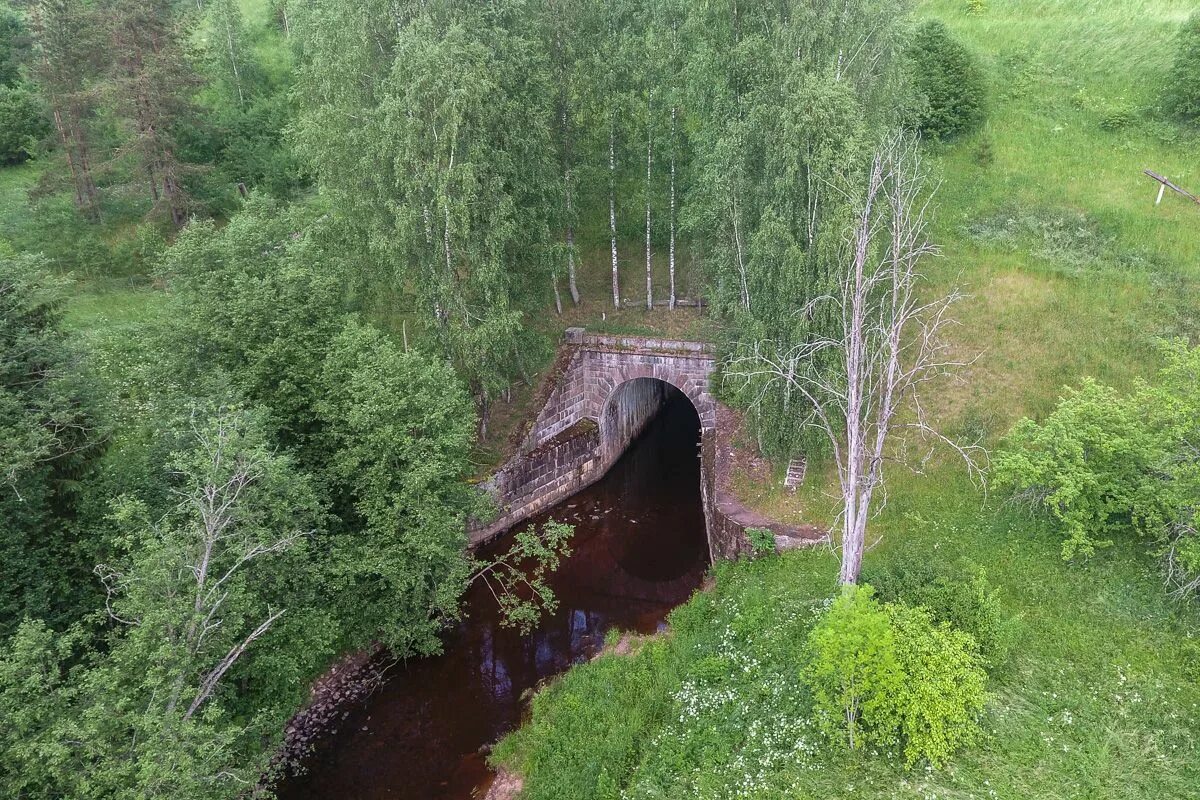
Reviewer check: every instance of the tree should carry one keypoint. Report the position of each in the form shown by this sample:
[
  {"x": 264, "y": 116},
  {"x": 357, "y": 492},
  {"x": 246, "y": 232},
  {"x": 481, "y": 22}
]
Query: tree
[
  {"x": 1103, "y": 464},
  {"x": 50, "y": 437},
  {"x": 226, "y": 47},
  {"x": 65, "y": 66},
  {"x": 562, "y": 21},
  {"x": 187, "y": 587},
  {"x": 781, "y": 97},
  {"x": 889, "y": 344},
  {"x": 400, "y": 429},
  {"x": 150, "y": 85},
  {"x": 1183, "y": 81},
  {"x": 165, "y": 699},
  {"x": 948, "y": 77},
  {"x": 255, "y": 306},
  {"x": 14, "y": 45},
  {"x": 451, "y": 174},
  {"x": 22, "y": 124}
]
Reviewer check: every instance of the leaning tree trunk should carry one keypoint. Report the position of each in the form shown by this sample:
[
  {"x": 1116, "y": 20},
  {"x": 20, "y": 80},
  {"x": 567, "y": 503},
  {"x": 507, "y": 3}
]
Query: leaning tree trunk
[{"x": 612, "y": 210}]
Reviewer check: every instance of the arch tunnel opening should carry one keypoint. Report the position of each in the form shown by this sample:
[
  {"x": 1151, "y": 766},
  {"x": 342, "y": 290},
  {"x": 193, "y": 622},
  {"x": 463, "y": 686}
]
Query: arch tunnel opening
[{"x": 652, "y": 430}]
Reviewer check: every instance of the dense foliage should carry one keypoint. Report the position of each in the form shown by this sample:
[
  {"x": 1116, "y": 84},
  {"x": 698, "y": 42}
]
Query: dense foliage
[
  {"x": 241, "y": 550},
  {"x": 1183, "y": 81},
  {"x": 949, "y": 80},
  {"x": 1104, "y": 464},
  {"x": 889, "y": 675},
  {"x": 957, "y": 594},
  {"x": 50, "y": 438},
  {"x": 22, "y": 124}
]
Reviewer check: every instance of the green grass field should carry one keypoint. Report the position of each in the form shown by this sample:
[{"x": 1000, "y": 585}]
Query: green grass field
[{"x": 1073, "y": 271}]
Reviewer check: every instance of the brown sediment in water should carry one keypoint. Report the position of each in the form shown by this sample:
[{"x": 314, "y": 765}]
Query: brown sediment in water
[{"x": 639, "y": 550}]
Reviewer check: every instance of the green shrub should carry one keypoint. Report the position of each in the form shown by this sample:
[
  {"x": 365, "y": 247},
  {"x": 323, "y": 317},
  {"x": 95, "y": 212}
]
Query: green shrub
[
  {"x": 1116, "y": 118},
  {"x": 948, "y": 76},
  {"x": 1104, "y": 464},
  {"x": 1089, "y": 464},
  {"x": 1182, "y": 95},
  {"x": 888, "y": 674},
  {"x": 762, "y": 540},
  {"x": 852, "y": 671},
  {"x": 954, "y": 594},
  {"x": 23, "y": 124},
  {"x": 943, "y": 696}
]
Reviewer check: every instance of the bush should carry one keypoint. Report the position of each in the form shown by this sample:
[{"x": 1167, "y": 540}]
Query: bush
[
  {"x": 948, "y": 76},
  {"x": 888, "y": 674},
  {"x": 954, "y": 594},
  {"x": 1104, "y": 464},
  {"x": 943, "y": 696},
  {"x": 1182, "y": 96},
  {"x": 22, "y": 124},
  {"x": 762, "y": 540},
  {"x": 853, "y": 672}
]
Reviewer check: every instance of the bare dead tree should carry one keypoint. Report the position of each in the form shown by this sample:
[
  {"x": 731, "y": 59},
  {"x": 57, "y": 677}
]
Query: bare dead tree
[{"x": 863, "y": 383}]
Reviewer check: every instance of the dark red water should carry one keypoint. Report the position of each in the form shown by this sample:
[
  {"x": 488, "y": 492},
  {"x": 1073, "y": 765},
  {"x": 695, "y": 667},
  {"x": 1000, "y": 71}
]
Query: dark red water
[{"x": 639, "y": 549}]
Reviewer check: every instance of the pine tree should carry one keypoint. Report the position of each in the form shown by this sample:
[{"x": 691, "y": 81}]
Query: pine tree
[
  {"x": 150, "y": 83},
  {"x": 65, "y": 65}
]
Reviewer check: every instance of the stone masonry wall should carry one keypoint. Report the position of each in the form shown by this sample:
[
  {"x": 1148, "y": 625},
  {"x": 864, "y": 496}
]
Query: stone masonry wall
[
  {"x": 600, "y": 402},
  {"x": 572, "y": 459}
]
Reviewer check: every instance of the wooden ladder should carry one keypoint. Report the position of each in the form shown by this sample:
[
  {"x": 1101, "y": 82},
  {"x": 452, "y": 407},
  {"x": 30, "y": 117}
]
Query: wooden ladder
[{"x": 795, "y": 472}]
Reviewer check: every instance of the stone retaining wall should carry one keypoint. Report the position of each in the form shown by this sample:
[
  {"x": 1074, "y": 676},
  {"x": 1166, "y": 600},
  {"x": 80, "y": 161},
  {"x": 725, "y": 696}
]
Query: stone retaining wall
[{"x": 571, "y": 460}]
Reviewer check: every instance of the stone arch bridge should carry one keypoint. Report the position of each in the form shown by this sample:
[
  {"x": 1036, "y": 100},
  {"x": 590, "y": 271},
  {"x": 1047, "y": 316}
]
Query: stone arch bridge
[{"x": 599, "y": 396}]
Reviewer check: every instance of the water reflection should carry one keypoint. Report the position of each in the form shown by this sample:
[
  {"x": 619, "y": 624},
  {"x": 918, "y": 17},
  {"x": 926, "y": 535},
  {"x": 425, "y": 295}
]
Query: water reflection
[{"x": 639, "y": 550}]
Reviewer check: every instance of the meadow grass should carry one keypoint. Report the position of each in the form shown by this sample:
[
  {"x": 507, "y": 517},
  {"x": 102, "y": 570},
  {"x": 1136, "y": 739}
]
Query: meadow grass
[{"x": 1098, "y": 698}]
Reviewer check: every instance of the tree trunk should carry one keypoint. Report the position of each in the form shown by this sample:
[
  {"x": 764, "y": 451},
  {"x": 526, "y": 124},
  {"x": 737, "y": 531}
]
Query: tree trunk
[
  {"x": 568, "y": 159},
  {"x": 649, "y": 161},
  {"x": 739, "y": 250},
  {"x": 572, "y": 285},
  {"x": 237, "y": 76},
  {"x": 70, "y": 153},
  {"x": 612, "y": 210},
  {"x": 557, "y": 295},
  {"x": 671, "y": 251}
]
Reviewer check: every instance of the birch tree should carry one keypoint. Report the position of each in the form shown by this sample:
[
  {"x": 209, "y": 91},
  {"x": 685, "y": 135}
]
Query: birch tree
[
  {"x": 187, "y": 592},
  {"x": 563, "y": 19},
  {"x": 889, "y": 344},
  {"x": 432, "y": 136}
]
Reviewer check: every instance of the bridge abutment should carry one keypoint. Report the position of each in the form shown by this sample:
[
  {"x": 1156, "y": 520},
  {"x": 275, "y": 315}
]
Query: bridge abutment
[{"x": 601, "y": 395}]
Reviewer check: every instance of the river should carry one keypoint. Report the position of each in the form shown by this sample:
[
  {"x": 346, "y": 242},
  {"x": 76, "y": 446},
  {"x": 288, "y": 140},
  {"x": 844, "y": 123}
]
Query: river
[{"x": 639, "y": 550}]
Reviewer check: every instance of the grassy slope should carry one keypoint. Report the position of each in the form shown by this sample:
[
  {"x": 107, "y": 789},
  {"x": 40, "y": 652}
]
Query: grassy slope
[{"x": 1074, "y": 272}]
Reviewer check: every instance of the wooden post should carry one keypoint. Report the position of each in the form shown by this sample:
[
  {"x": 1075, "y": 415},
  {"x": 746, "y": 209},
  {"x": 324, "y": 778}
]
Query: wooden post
[{"x": 1166, "y": 184}]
